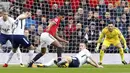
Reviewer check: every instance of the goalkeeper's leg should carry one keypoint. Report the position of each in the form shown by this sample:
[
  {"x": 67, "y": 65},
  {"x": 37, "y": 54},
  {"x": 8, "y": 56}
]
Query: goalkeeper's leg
[
  {"x": 121, "y": 53},
  {"x": 102, "y": 53}
]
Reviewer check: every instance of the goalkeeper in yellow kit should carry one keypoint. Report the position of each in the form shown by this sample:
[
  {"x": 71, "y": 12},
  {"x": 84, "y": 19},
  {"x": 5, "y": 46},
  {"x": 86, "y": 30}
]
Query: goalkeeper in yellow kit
[{"x": 112, "y": 36}]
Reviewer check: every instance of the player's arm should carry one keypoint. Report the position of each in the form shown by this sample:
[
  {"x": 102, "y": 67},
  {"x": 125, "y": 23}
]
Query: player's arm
[
  {"x": 23, "y": 16},
  {"x": 93, "y": 63},
  {"x": 102, "y": 34},
  {"x": 51, "y": 23},
  {"x": 60, "y": 39},
  {"x": 100, "y": 40},
  {"x": 123, "y": 39}
]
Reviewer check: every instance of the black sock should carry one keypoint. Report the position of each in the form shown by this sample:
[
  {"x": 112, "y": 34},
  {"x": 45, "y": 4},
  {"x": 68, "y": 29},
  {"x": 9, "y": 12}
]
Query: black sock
[
  {"x": 39, "y": 55},
  {"x": 59, "y": 53}
]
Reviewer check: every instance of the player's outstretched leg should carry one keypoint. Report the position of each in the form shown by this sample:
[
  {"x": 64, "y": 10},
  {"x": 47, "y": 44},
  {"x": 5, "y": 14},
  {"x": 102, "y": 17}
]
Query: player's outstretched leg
[
  {"x": 9, "y": 58},
  {"x": 59, "y": 53},
  {"x": 56, "y": 63},
  {"x": 1, "y": 51},
  {"x": 19, "y": 55},
  {"x": 50, "y": 63},
  {"x": 59, "y": 49},
  {"x": 61, "y": 63},
  {"x": 31, "y": 52},
  {"x": 38, "y": 56}
]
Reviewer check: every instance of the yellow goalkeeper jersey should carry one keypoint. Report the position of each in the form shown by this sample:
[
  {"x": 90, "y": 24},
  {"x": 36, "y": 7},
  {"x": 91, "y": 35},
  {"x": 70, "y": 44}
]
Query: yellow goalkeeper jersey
[{"x": 110, "y": 36}]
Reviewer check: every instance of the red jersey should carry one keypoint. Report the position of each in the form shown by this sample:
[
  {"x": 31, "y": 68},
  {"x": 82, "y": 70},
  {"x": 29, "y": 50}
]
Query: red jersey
[{"x": 55, "y": 27}]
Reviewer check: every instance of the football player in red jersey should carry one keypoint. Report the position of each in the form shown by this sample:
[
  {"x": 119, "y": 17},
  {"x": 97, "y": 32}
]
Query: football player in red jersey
[{"x": 50, "y": 37}]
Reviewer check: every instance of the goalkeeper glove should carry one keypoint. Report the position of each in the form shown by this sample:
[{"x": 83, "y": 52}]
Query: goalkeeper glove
[
  {"x": 97, "y": 48},
  {"x": 126, "y": 49}
]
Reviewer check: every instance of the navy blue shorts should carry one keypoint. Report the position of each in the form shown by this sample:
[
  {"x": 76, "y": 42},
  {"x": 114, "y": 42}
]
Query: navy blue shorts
[
  {"x": 4, "y": 38},
  {"x": 20, "y": 40},
  {"x": 75, "y": 62}
]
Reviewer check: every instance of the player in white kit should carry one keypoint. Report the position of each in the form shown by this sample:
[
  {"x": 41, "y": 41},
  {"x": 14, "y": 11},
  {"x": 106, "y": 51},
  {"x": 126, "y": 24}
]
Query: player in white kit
[
  {"x": 17, "y": 36},
  {"x": 83, "y": 57},
  {"x": 6, "y": 24},
  {"x": 5, "y": 27}
]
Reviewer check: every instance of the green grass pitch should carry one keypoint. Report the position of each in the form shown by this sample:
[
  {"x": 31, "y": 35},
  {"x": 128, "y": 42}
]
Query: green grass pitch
[{"x": 84, "y": 69}]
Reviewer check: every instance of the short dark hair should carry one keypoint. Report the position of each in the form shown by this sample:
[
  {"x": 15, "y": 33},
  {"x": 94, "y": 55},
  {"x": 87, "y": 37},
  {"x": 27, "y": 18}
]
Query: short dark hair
[
  {"x": 61, "y": 13},
  {"x": 85, "y": 42},
  {"x": 110, "y": 22}
]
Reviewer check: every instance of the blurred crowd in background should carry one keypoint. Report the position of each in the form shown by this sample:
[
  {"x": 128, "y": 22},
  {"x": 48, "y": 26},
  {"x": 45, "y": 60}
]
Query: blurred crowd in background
[{"x": 84, "y": 20}]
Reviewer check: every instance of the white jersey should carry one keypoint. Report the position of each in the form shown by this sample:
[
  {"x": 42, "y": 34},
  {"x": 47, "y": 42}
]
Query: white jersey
[
  {"x": 83, "y": 56},
  {"x": 6, "y": 26},
  {"x": 20, "y": 26}
]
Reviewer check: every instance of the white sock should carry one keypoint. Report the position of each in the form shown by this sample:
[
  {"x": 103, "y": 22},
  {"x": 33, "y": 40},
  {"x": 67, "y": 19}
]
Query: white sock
[
  {"x": 9, "y": 56},
  {"x": 1, "y": 51},
  {"x": 31, "y": 52},
  {"x": 50, "y": 63},
  {"x": 19, "y": 55}
]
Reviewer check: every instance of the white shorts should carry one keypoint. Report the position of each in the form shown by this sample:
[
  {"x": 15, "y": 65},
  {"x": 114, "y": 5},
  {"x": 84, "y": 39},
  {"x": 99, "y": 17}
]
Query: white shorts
[{"x": 46, "y": 39}]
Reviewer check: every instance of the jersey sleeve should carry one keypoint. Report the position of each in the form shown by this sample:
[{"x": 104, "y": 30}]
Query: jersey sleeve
[
  {"x": 12, "y": 20},
  {"x": 118, "y": 31},
  {"x": 17, "y": 18}
]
